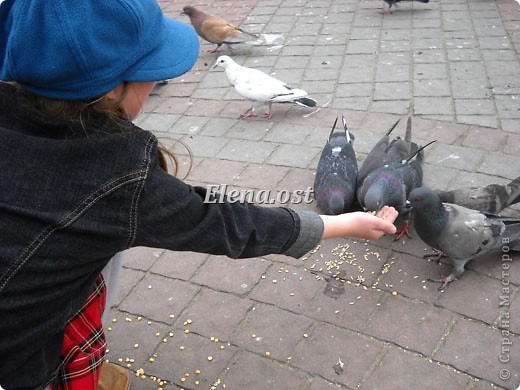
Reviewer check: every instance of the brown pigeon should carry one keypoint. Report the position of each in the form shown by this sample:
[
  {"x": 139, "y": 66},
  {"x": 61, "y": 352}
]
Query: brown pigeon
[{"x": 216, "y": 30}]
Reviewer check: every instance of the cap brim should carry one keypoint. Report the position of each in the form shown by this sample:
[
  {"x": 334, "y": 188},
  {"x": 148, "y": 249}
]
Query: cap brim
[{"x": 176, "y": 55}]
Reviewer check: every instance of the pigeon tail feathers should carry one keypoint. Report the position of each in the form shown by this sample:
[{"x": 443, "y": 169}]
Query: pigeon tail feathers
[{"x": 305, "y": 102}]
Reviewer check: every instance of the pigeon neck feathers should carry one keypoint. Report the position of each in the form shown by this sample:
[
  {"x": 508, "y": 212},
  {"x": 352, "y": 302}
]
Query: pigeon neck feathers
[{"x": 430, "y": 215}]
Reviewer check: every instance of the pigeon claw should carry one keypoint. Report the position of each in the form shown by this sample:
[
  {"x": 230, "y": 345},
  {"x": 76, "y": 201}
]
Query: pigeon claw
[
  {"x": 402, "y": 232},
  {"x": 247, "y": 114},
  {"x": 444, "y": 280},
  {"x": 436, "y": 255}
]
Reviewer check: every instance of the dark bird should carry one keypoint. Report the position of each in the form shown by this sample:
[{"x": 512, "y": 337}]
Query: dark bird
[
  {"x": 259, "y": 87},
  {"x": 391, "y": 184},
  {"x": 216, "y": 30},
  {"x": 492, "y": 198},
  {"x": 460, "y": 233},
  {"x": 387, "y": 150},
  {"x": 392, "y": 2},
  {"x": 388, "y": 174},
  {"x": 335, "y": 181}
]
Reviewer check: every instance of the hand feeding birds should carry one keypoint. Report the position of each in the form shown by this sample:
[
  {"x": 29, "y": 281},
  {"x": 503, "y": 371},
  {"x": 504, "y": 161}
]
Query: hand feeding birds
[
  {"x": 335, "y": 181},
  {"x": 216, "y": 30},
  {"x": 388, "y": 174},
  {"x": 390, "y": 3},
  {"x": 459, "y": 233},
  {"x": 261, "y": 88}
]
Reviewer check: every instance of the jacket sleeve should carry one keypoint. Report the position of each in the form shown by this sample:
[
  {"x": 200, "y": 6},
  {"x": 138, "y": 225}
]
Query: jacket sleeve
[{"x": 174, "y": 215}]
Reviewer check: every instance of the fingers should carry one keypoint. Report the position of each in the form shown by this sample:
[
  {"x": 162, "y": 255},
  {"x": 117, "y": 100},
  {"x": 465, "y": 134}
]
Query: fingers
[{"x": 387, "y": 213}]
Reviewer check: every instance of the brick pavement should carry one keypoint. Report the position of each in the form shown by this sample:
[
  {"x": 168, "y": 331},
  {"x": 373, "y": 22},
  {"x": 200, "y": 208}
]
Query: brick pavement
[{"x": 281, "y": 323}]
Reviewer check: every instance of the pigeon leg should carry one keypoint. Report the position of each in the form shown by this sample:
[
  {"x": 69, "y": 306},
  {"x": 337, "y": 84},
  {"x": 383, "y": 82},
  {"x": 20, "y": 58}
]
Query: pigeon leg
[
  {"x": 444, "y": 280},
  {"x": 436, "y": 254},
  {"x": 403, "y": 231},
  {"x": 269, "y": 114},
  {"x": 215, "y": 49},
  {"x": 249, "y": 113},
  {"x": 230, "y": 48}
]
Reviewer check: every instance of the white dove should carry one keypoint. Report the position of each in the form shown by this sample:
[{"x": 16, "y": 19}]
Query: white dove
[{"x": 258, "y": 86}]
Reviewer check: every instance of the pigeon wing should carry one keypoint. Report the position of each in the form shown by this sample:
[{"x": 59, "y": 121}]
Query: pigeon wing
[{"x": 469, "y": 233}]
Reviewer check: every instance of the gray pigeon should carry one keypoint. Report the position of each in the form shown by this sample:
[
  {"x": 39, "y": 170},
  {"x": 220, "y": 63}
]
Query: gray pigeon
[
  {"x": 386, "y": 151},
  {"x": 391, "y": 184},
  {"x": 335, "y": 181},
  {"x": 389, "y": 173},
  {"x": 460, "y": 233},
  {"x": 492, "y": 198},
  {"x": 392, "y": 2}
]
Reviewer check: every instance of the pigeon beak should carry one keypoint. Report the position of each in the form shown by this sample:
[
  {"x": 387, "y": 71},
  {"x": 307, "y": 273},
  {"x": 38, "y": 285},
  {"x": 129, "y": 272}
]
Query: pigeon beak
[
  {"x": 408, "y": 205},
  {"x": 214, "y": 66}
]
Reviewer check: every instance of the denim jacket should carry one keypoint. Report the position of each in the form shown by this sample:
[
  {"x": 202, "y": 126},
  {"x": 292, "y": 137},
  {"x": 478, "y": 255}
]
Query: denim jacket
[{"x": 71, "y": 197}]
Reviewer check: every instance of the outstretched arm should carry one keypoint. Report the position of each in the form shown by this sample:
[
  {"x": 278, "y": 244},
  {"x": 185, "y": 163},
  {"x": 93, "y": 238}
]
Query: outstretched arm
[{"x": 360, "y": 224}]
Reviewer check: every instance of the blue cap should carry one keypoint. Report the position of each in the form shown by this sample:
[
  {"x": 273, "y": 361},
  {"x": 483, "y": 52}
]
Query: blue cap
[{"x": 82, "y": 49}]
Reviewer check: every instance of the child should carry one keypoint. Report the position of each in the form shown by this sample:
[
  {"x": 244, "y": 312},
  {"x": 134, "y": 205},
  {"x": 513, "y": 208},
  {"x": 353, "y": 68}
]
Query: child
[{"x": 80, "y": 183}]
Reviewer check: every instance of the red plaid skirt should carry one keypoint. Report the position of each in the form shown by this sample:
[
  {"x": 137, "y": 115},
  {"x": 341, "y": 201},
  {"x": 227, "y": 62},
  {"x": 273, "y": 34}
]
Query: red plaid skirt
[{"x": 84, "y": 344}]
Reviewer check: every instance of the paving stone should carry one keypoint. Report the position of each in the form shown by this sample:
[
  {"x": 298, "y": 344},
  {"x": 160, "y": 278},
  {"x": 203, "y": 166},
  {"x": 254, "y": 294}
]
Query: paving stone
[
  {"x": 432, "y": 106},
  {"x": 238, "y": 276},
  {"x": 408, "y": 276},
  {"x": 202, "y": 146},
  {"x": 495, "y": 164},
  {"x": 185, "y": 125},
  {"x": 292, "y": 134},
  {"x": 325, "y": 346},
  {"x": 247, "y": 151},
  {"x": 415, "y": 372},
  {"x": 437, "y": 177},
  {"x": 499, "y": 265},
  {"x": 321, "y": 384},
  {"x": 132, "y": 338},
  {"x": 174, "y": 362},
  {"x": 431, "y": 88},
  {"x": 446, "y": 133},
  {"x": 157, "y": 297},
  {"x": 273, "y": 330},
  {"x": 141, "y": 258},
  {"x": 510, "y": 312},
  {"x": 350, "y": 310},
  {"x": 252, "y": 371},
  {"x": 420, "y": 325},
  {"x": 478, "y": 120},
  {"x": 253, "y": 131},
  {"x": 127, "y": 280},
  {"x": 215, "y": 314},
  {"x": 359, "y": 261},
  {"x": 158, "y": 122},
  {"x": 178, "y": 265},
  {"x": 261, "y": 176},
  {"x": 284, "y": 155},
  {"x": 392, "y": 91},
  {"x": 475, "y": 348},
  {"x": 297, "y": 180},
  {"x": 456, "y": 157},
  {"x": 462, "y": 297},
  {"x": 217, "y": 171},
  {"x": 287, "y": 287},
  {"x": 483, "y": 138}
]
